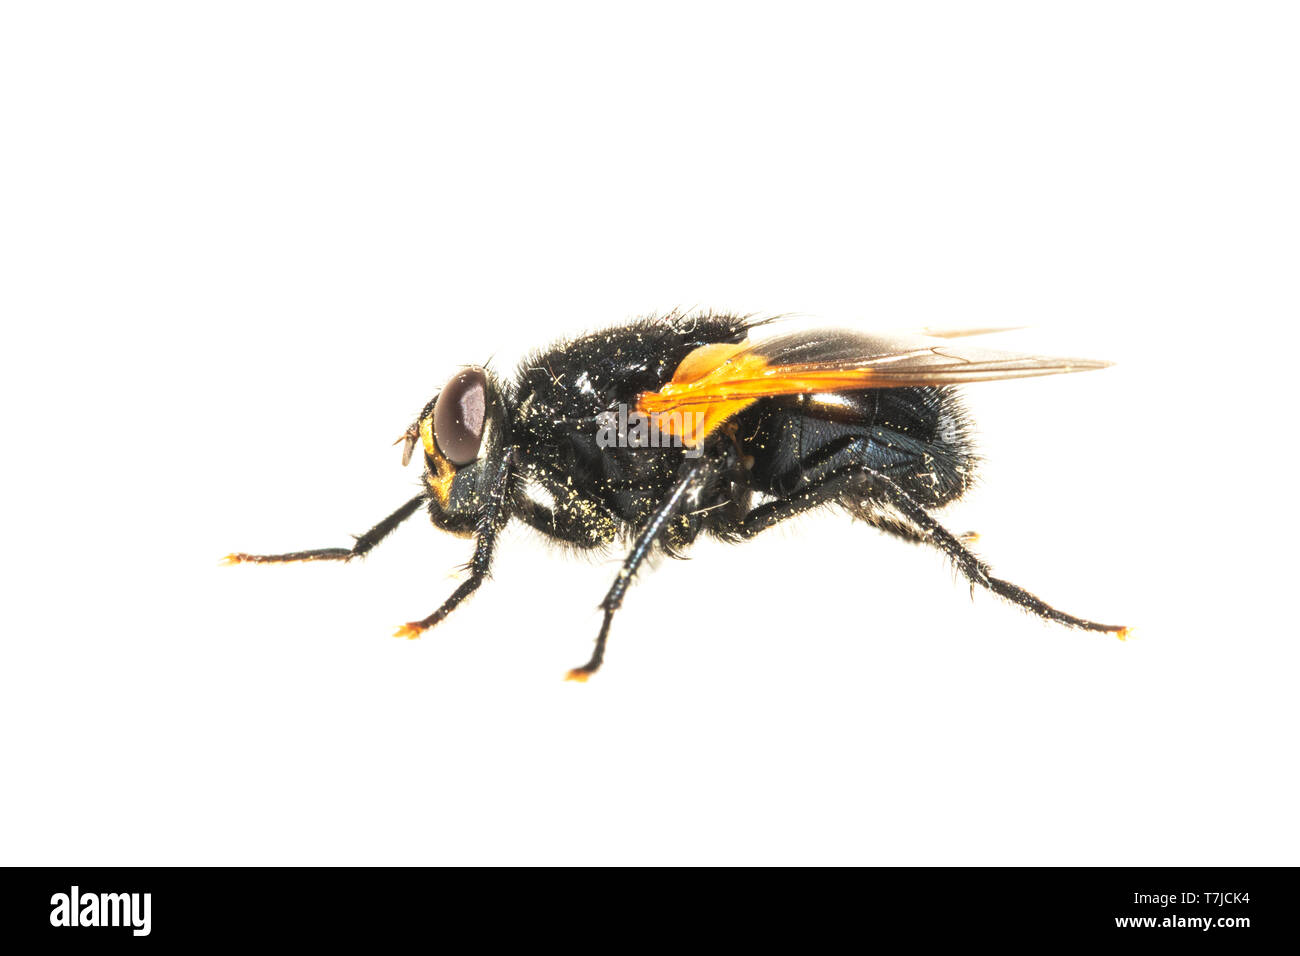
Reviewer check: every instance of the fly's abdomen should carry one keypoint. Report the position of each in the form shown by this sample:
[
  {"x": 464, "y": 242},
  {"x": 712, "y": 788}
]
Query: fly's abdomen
[{"x": 919, "y": 437}]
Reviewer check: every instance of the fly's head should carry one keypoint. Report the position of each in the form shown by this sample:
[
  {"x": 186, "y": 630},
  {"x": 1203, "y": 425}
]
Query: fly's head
[{"x": 464, "y": 433}]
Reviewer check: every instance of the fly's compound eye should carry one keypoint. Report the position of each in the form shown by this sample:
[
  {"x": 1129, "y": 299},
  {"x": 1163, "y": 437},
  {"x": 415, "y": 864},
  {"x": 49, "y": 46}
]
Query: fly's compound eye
[{"x": 459, "y": 416}]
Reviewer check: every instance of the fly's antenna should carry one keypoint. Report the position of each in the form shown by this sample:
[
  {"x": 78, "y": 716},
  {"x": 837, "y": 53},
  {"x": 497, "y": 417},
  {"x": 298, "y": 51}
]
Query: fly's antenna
[{"x": 410, "y": 437}]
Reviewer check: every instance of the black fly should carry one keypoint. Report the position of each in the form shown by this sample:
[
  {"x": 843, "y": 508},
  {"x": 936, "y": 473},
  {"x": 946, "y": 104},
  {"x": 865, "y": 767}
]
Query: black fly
[{"x": 664, "y": 429}]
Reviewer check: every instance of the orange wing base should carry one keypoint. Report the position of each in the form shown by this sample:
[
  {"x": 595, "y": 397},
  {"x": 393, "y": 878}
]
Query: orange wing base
[{"x": 716, "y": 382}]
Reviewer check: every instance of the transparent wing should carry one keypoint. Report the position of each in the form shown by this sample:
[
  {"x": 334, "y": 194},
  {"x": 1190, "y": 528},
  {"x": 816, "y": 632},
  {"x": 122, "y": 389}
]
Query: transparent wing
[{"x": 828, "y": 360}]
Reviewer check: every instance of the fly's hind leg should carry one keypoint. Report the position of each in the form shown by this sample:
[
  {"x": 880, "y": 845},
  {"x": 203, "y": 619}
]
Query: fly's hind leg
[
  {"x": 363, "y": 544},
  {"x": 840, "y": 485},
  {"x": 975, "y": 570},
  {"x": 828, "y": 491}
]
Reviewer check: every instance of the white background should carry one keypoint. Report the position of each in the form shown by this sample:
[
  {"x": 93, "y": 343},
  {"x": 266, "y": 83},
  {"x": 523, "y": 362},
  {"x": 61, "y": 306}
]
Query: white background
[{"x": 244, "y": 243}]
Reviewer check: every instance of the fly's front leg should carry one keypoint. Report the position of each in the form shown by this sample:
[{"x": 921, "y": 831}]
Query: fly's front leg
[
  {"x": 652, "y": 531},
  {"x": 364, "y": 543},
  {"x": 478, "y": 571},
  {"x": 489, "y": 526}
]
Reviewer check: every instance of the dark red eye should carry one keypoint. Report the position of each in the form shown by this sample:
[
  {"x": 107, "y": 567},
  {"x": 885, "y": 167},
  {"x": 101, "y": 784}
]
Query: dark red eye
[{"x": 459, "y": 416}]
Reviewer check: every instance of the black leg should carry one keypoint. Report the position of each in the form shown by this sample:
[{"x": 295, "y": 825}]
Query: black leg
[
  {"x": 976, "y": 571},
  {"x": 834, "y": 486},
  {"x": 478, "y": 570},
  {"x": 815, "y": 495},
  {"x": 640, "y": 549},
  {"x": 489, "y": 526},
  {"x": 363, "y": 544}
]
